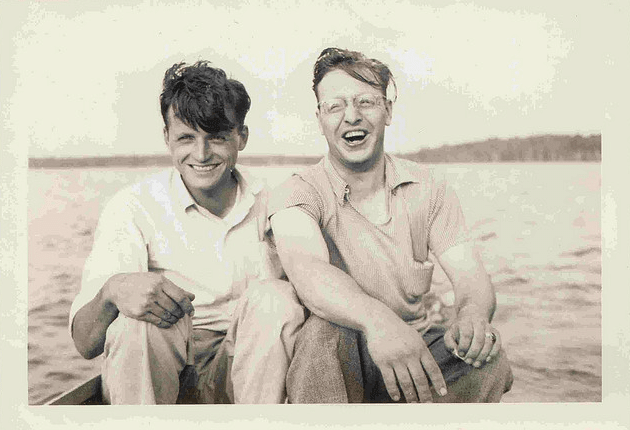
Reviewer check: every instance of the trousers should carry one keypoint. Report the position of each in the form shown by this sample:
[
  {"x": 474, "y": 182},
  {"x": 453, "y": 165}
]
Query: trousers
[
  {"x": 145, "y": 364},
  {"x": 331, "y": 364}
]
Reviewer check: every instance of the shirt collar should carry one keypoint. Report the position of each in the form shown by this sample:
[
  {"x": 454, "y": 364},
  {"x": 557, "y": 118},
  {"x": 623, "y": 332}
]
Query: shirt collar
[
  {"x": 396, "y": 174},
  {"x": 249, "y": 187}
]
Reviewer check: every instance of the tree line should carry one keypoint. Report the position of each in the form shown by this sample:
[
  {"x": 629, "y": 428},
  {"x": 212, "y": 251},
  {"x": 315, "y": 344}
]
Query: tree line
[{"x": 518, "y": 149}]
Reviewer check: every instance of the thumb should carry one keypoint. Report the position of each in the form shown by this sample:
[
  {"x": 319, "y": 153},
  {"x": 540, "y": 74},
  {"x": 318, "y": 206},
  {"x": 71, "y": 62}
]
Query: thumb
[{"x": 450, "y": 337}]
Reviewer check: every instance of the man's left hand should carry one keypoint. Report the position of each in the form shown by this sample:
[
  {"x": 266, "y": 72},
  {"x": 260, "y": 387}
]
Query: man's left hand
[{"x": 473, "y": 339}]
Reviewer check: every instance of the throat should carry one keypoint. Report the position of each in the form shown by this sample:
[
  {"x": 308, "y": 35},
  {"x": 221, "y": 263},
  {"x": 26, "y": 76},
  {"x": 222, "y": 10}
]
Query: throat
[
  {"x": 219, "y": 202},
  {"x": 374, "y": 207}
]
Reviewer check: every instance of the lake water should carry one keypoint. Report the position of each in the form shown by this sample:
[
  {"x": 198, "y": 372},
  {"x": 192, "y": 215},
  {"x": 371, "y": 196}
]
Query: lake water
[{"x": 538, "y": 225}]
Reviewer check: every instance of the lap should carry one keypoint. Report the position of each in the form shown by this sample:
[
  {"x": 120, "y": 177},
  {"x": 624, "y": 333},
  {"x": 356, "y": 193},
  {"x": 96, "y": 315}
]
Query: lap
[{"x": 465, "y": 382}]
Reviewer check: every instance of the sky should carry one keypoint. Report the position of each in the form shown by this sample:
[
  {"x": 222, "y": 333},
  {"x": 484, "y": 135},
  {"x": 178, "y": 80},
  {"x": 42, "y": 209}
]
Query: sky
[{"x": 87, "y": 75}]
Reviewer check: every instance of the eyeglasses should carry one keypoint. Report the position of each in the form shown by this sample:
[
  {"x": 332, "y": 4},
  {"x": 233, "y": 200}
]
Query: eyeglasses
[{"x": 362, "y": 102}]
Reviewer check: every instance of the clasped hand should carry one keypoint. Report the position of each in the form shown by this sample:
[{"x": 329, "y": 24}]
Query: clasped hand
[
  {"x": 472, "y": 339},
  {"x": 150, "y": 297}
]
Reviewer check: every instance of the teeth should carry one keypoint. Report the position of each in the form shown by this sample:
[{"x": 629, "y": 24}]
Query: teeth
[
  {"x": 203, "y": 168},
  {"x": 351, "y": 134}
]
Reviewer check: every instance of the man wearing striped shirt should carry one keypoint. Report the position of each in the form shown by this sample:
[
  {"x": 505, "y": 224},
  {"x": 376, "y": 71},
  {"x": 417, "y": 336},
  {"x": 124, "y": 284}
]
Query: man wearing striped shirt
[{"x": 353, "y": 234}]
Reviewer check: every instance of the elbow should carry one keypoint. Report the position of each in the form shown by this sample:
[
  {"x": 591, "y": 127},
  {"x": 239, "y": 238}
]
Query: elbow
[
  {"x": 85, "y": 346},
  {"x": 87, "y": 351}
]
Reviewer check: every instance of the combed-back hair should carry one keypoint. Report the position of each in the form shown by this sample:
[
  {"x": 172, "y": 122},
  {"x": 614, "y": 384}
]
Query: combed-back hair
[
  {"x": 357, "y": 65},
  {"x": 203, "y": 97}
]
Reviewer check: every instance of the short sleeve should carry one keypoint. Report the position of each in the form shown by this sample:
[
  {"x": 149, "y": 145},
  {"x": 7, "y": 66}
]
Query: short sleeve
[
  {"x": 446, "y": 222},
  {"x": 118, "y": 247},
  {"x": 296, "y": 192}
]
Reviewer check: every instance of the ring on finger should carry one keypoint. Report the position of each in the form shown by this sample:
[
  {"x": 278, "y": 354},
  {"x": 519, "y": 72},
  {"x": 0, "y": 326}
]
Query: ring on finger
[{"x": 492, "y": 336}]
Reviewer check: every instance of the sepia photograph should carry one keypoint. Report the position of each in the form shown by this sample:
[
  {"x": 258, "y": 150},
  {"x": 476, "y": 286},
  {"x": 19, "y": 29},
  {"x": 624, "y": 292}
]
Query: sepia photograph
[{"x": 305, "y": 203}]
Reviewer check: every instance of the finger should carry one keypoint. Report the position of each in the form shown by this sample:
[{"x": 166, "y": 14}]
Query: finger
[
  {"x": 390, "y": 382},
  {"x": 179, "y": 296},
  {"x": 406, "y": 384},
  {"x": 434, "y": 373},
  {"x": 155, "y": 320},
  {"x": 420, "y": 381},
  {"x": 466, "y": 334},
  {"x": 487, "y": 347},
  {"x": 450, "y": 339},
  {"x": 163, "y": 314},
  {"x": 496, "y": 347},
  {"x": 478, "y": 341},
  {"x": 164, "y": 301}
]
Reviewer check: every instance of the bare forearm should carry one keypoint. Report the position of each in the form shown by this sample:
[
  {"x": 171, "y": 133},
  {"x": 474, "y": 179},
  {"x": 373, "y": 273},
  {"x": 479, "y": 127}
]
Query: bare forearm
[
  {"x": 480, "y": 301},
  {"x": 90, "y": 325},
  {"x": 333, "y": 295}
]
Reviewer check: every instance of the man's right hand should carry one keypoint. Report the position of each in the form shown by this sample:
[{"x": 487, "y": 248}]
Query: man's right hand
[
  {"x": 149, "y": 297},
  {"x": 401, "y": 354}
]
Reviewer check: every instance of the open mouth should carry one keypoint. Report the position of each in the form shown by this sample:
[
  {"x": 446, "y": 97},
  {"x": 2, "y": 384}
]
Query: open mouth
[
  {"x": 354, "y": 137},
  {"x": 204, "y": 168}
]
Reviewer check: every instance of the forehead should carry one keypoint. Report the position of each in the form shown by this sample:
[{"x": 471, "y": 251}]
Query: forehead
[
  {"x": 338, "y": 83},
  {"x": 175, "y": 124}
]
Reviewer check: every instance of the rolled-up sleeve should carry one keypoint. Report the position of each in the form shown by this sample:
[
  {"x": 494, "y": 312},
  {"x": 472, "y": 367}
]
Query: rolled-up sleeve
[
  {"x": 295, "y": 192},
  {"x": 446, "y": 222},
  {"x": 119, "y": 247}
]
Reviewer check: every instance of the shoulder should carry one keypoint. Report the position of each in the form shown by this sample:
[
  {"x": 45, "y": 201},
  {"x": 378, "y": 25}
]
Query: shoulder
[
  {"x": 412, "y": 171},
  {"x": 307, "y": 179},
  {"x": 145, "y": 193}
]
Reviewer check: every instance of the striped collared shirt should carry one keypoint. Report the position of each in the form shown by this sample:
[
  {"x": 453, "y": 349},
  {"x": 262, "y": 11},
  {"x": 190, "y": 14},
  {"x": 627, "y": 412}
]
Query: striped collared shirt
[{"x": 383, "y": 259}]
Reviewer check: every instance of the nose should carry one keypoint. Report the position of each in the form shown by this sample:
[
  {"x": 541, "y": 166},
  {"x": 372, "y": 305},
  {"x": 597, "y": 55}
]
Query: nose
[
  {"x": 203, "y": 150},
  {"x": 352, "y": 115}
]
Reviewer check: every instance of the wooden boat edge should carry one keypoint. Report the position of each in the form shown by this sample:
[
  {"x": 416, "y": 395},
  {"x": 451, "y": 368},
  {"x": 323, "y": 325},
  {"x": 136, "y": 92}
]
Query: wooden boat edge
[{"x": 86, "y": 393}]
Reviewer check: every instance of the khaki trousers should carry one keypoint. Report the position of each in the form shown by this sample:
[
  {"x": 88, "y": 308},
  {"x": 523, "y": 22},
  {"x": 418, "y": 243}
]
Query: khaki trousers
[{"x": 145, "y": 364}]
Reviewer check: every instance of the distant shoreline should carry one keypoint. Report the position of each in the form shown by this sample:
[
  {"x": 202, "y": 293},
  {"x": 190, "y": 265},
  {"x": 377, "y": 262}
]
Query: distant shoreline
[{"x": 543, "y": 148}]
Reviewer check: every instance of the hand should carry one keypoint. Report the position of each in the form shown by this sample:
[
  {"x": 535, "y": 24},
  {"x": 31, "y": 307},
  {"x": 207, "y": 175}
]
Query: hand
[
  {"x": 401, "y": 354},
  {"x": 472, "y": 339},
  {"x": 149, "y": 297}
]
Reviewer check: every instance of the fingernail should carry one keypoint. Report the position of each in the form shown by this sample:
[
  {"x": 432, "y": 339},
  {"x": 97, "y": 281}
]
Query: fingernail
[
  {"x": 443, "y": 391},
  {"x": 469, "y": 361},
  {"x": 396, "y": 398},
  {"x": 488, "y": 359},
  {"x": 476, "y": 364}
]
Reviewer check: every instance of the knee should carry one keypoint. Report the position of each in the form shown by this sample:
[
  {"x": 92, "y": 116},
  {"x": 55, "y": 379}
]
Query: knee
[
  {"x": 126, "y": 330},
  {"x": 321, "y": 337},
  {"x": 274, "y": 299},
  {"x": 502, "y": 371}
]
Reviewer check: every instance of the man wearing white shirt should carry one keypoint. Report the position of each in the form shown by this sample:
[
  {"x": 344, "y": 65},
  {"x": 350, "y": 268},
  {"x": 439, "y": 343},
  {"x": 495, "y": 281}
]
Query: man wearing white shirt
[{"x": 196, "y": 232}]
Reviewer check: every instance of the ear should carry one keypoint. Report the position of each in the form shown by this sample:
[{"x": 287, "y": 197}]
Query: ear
[
  {"x": 165, "y": 132},
  {"x": 389, "y": 107},
  {"x": 243, "y": 134},
  {"x": 319, "y": 122}
]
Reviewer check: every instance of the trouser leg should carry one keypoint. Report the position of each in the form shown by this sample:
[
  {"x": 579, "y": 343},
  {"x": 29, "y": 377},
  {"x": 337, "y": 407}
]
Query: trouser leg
[
  {"x": 332, "y": 365},
  {"x": 261, "y": 341},
  {"x": 326, "y": 366},
  {"x": 142, "y": 362}
]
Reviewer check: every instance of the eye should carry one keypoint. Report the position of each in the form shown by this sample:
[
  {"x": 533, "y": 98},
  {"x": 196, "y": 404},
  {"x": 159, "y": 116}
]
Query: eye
[
  {"x": 366, "y": 101},
  {"x": 185, "y": 138},
  {"x": 335, "y": 105}
]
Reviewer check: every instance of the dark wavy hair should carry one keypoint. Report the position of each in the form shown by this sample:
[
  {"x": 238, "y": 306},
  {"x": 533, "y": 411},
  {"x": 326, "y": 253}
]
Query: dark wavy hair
[
  {"x": 203, "y": 97},
  {"x": 354, "y": 63}
]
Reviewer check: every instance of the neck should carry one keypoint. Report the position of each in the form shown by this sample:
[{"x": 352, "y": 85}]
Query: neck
[
  {"x": 220, "y": 200},
  {"x": 363, "y": 180}
]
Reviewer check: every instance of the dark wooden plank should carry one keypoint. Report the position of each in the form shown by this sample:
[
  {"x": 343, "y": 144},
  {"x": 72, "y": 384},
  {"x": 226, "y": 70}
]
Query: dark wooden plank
[{"x": 87, "y": 393}]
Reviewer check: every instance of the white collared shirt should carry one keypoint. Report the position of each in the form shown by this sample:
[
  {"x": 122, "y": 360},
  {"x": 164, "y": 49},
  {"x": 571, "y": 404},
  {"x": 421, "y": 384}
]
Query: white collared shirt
[{"x": 155, "y": 225}]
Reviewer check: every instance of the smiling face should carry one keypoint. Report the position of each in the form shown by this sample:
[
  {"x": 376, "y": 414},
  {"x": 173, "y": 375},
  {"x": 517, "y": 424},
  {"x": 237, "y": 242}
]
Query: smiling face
[
  {"x": 355, "y": 136},
  {"x": 204, "y": 161}
]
